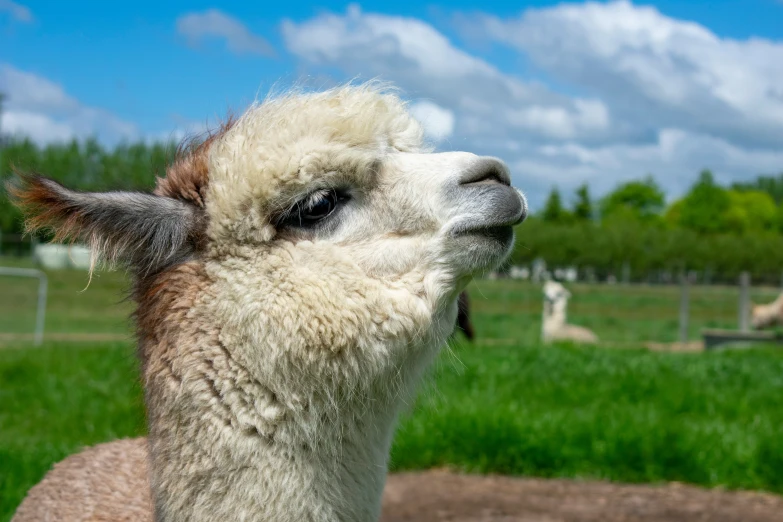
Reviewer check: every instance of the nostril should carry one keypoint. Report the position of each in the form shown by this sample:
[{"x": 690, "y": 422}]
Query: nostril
[{"x": 486, "y": 172}]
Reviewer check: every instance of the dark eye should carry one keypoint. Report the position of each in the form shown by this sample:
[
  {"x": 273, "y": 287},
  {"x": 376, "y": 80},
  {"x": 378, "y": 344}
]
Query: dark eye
[
  {"x": 314, "y": 208},
  {"x": 318, "y": 206}
]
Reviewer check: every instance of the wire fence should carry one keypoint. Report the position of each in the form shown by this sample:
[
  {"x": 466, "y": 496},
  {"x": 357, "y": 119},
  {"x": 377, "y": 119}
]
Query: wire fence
[
  {"x": 617, "y": 312},
  {"x": 506, "y": 308}
]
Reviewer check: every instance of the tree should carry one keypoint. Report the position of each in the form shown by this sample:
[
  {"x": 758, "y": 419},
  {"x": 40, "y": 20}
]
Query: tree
[
  {"x": 641, "y": 200},
  {"x": 751, "y": 210},
  {"x": 583, "y": 208},
  {"x": 82, "y": 165},
  {"x": 705, "y": 208},
  {"x": 772, "y": 185},
  {"x": 553, "y": 209}
]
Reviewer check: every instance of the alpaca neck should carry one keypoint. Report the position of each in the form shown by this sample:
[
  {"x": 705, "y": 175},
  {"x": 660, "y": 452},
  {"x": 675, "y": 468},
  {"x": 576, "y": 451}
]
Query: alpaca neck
[
  {"x": 318, "y": 462},
  {"x": 555, "y": 312},
  {"x": 232, "y": 437}
]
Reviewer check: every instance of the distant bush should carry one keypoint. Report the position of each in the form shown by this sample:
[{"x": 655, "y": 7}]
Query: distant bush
[
  {"x": 606, "y": 247},
  {"x": 86, "y": 165}
]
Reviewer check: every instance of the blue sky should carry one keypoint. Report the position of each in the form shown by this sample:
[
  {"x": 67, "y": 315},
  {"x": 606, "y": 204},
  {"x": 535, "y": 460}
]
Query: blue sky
[{"x": 596, "y": 92}]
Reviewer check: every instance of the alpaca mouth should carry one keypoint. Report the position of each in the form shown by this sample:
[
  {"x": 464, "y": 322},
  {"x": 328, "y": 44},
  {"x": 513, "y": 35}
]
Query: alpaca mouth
[{"x": 500, "y": 233}]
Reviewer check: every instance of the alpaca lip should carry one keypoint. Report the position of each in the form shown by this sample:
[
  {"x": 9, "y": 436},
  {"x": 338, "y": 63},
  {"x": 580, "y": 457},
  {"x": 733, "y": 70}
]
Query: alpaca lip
[{"x": 502, "y": 232}]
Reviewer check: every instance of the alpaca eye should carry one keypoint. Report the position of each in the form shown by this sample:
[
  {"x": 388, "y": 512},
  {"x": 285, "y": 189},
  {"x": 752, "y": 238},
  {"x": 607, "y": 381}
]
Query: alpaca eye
[
  {"x": 319, "y": 206},
  {"x": 314, "y": 208}
]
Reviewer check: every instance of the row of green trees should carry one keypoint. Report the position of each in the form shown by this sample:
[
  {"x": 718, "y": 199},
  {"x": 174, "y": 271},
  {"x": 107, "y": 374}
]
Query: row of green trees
[
  {"x": 83, "y": 165},
  {"x": 708, "y": 208},
  {"x": 713, "y": 228}
]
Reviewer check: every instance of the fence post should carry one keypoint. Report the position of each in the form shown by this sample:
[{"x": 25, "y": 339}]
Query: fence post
[
  {"x": 684, "y": 303},
  {"x": 744, "y": 301}
]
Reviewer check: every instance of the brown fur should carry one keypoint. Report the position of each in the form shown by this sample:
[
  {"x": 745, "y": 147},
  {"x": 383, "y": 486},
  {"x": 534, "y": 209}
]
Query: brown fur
[
  {"x": 187, "y": 178},
  {"x": 46, "y": 208},
  {"x": 164, "y": 300},
  {"x": 104, "y": 483}
]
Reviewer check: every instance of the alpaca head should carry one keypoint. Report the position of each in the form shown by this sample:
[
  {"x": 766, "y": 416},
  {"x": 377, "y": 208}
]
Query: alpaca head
[
  {"x": 325, "y": 244},
  {"x": 555, "y": 292}
]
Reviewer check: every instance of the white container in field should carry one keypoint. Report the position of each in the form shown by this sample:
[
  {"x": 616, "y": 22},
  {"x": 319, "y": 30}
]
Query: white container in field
[
  {"x": 79, "y": 257},
  {"x": 52, "y": 256}
]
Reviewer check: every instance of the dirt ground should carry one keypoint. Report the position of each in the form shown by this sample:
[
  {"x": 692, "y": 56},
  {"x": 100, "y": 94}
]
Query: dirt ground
[{"x": 443, "y": 496}]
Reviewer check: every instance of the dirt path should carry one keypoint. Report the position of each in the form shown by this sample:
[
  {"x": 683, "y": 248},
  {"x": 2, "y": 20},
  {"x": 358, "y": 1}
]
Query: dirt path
[{"x": 442, "y": 496}]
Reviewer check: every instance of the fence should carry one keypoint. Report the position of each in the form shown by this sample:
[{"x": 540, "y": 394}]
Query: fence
[{"x": 677, "y": 310}]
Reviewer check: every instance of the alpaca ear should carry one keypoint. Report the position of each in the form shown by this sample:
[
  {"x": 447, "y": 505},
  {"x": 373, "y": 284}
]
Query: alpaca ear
[{"x": 145, "y": 231}]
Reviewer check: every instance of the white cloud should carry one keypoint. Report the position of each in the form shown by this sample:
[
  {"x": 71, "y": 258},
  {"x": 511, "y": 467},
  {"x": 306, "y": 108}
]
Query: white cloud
[
  {"x": 657, "y": 95},
  {"x": 413, "y": 54},
  {"x": 40, "y": 109},
  {"x": 18, "y": 12},
  {"x": 660, "y": 70},
  {"x": 557, "y": 122},
  {"x": 39, "y": 127},
  {"x": 216, "y": 24},
  {"x": 675, "y": 157},
  {"x": 438, "y": 122}
]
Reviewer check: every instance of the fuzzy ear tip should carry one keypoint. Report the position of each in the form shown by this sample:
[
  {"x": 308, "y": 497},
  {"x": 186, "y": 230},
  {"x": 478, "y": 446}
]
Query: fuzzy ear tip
[
  {"x": 22, "y": 182},
  {"x": 39, "y": 199},
  {"x": 27, "y": 189}
]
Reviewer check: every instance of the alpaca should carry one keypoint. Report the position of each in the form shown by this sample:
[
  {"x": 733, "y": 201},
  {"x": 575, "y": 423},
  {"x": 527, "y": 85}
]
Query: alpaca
[
  {"x": 463, "y": 316},
  {"x": 766, "y": 315},
  {"x": 295, "y": 274},
  {"x": 554, "y": 325}
]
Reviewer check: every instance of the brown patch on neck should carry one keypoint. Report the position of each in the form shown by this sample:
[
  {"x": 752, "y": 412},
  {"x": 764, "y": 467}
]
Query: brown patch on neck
[
  {"x": 188, "y": 177},
  {"x": 163, "y": 303}
]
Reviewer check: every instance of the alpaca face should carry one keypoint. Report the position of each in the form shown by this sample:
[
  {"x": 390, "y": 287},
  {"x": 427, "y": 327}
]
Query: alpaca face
[
  {"x": 371, "y": 235},
  {"x": 554, "y": 292},
  {"x": 351, "y": 179}
]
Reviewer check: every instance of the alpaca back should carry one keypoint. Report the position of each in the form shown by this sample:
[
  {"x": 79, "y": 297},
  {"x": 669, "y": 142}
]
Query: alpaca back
[
  {"x": 572, "y": 332},
  {"x": 105, "y": 483},
  {"x": 766, "y": 315}
]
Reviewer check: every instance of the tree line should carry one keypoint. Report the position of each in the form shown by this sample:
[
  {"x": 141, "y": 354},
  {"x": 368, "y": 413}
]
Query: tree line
[
  {"x": 720, "y": 230},
  {"x": 83, "y": 165},
  {"x": 716, "y": 230}
]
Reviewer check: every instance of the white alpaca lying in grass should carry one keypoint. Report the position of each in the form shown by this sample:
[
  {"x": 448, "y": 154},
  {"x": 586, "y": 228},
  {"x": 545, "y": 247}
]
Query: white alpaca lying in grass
[
  {"x": 554, "y": 325},
  {"x": 766, "y": 315}
]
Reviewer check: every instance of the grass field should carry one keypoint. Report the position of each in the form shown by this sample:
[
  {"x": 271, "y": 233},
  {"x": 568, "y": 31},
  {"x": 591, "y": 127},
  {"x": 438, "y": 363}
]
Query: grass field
[{"x": 503, "y": 405}]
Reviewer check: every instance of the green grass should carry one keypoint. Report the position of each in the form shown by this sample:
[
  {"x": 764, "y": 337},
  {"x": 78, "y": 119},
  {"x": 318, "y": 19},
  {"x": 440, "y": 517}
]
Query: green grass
[
  {"x": 626, "y": 415},
  {"x": 57, "y": 399},
  {"x": 619, "y": 314},
  {"x": 505, "y": 405}
]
